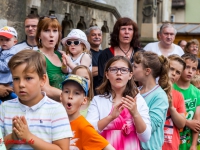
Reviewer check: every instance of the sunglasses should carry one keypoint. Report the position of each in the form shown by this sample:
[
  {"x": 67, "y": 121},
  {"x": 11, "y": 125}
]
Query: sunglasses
[
  {"x": 51, "y": 17},
  {"x": 73, "y": 42}
]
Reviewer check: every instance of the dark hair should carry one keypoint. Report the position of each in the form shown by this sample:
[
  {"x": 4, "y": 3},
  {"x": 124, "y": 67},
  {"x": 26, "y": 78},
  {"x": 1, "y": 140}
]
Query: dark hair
[
  {"x": 159, "y": 66},
  {"x": 175, "y": 57},
  {"x": 190, "y": 56},
  {"x": 32, "y": 16},
  {"x": 179, "y": 42},
  {"x": 105, "y": 88},
  {"x": 90, "y": 91},
  {"x": 44, "y": 24},
  {"x": 114, "y": 40},
  {"x": 34, "y": 61}
]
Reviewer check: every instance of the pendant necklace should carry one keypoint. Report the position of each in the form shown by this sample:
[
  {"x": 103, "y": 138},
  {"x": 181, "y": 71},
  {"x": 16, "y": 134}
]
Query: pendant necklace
[{"x": 125, "y": 53}]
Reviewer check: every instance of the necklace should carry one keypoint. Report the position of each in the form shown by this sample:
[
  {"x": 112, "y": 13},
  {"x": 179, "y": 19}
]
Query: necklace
[{"x": 125, "y": 53}]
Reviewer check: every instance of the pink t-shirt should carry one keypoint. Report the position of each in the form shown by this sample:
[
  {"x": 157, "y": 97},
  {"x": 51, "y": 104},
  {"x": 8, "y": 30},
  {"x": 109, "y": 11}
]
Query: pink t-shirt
[{"x": 171, "y": 132}]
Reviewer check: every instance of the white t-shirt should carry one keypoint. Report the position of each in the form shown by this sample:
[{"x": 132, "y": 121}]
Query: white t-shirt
[
  {"x": 153, "y": 47},
  {"x": 100, "y": 107},
  {"x": 24, "y": 45}
]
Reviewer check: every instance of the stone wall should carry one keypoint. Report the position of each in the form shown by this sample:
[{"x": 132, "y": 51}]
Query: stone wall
[{"x": 71, "y": 14}]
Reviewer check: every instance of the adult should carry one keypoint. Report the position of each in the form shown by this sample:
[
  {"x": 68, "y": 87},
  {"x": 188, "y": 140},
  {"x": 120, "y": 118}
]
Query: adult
[
  {"x": 94, "y": 36},
  {"x": 165, "y": 46},
  {"x": 124, "y": 41},
  {"x": 192, "y": 47},
  {"x": 182, "y": 44},
  {"x": 48, "y": 37},
  {"x": 30, "y": 25}
]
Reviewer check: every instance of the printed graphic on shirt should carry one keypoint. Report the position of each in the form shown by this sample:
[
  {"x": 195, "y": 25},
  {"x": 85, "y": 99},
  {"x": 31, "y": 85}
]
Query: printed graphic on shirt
[
  {"x": 73, "y": 142},
  {"x": 168, "y": 130}
]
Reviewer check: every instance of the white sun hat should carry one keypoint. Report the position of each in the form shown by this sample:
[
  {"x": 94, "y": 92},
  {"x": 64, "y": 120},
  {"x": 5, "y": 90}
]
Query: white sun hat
[{"x": 79, "y": 35}]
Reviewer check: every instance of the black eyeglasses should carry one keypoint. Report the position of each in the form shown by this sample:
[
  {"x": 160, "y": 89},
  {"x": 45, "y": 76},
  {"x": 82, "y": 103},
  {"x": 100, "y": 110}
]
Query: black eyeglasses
[
  {"x": 51, "y": 17},
  {"x": 73, "y": 42},
  {"x": 123, "y": 70}
]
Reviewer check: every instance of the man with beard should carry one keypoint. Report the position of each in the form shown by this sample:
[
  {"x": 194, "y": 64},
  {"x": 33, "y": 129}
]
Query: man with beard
[
  {"x": 165, "y": 46},
  {"x": 94, "y": 35}
]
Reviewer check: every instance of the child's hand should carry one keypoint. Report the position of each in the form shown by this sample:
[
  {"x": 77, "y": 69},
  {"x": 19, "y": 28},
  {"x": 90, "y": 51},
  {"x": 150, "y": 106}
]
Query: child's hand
[
  {"x": 66, "y": 59},
  {"x": 130, "y": 104},
  {"x": 117, "y": 108},
  {"x": 193, "y": 147},
  {"x": 14, "y": 136},
  {"x": 194, "y": 125},
  {"x": 21, "y": 128}
]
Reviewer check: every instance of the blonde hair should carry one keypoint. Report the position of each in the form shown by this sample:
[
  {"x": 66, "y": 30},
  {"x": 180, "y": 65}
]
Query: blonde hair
[
  {"x": 195, "y": 79},
  {"x": 84, "y": 50},
  {"x": 90, "y": 92},
  {"x": 193, "y": 41}
]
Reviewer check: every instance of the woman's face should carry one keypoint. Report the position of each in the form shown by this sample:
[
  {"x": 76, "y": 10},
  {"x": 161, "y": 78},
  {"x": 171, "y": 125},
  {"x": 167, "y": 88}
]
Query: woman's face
[
  {"x": 118, "y": 74},
  {"x": 83, "y": 73},
  {"x": 193, "y": 49},
  {"x": 49, "y": 38},
  {"x": 126, "y": 34}
]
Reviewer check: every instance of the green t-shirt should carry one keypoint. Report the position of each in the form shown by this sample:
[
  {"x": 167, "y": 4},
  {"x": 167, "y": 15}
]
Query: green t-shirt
[
  {"x": 55, "y": 74},
  {"x": 192, "y": 100}
]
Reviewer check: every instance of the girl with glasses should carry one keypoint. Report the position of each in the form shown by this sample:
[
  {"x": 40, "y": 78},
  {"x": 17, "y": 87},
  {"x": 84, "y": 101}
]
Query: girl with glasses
[
  {"x": 77, "y": 51},
  {"x": 147, "y": 67},
  {"x": 119, "y": 113}
]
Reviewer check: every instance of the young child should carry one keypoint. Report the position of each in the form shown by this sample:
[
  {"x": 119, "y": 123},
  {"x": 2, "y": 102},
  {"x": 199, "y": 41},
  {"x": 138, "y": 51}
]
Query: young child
[
  {"x": 74, "y": 94},
  {"x": 77, "y": 50},
  {"x": 2, "y": 146},
  {"x": 120, "y": 113},
  {"x": 147, "y": 67},
  {"x": 196, "y": 81},
  {"x": 34, "y": 118},
  {"x": 191, "y": 94},
  {"x": 8, "y": 38},
  {"x": 84, "y": 71},
  {"x": 175, "y": 119}
]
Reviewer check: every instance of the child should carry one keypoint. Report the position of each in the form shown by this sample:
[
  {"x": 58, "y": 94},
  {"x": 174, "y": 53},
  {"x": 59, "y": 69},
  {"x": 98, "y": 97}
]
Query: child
[
  {"x": 74, "y": 94},
  {"x": 147, "y": 67},
  {"x": 34, "y": 118},
  {"x": 120, "y": 113},
  {"x": 8, "y": 38},
  {"x": 2, "y": 146},
  {"x": 191, "y": 94},
  {"x": 77, "y": 50},
  {"x": 175, "y": 119},
  {"x": 196, "y": 81},
  {"x": 84, "y": 71}
]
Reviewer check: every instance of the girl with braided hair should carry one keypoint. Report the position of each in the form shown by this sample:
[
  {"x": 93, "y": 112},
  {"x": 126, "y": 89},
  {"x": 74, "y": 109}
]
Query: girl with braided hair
[{"x": 147, "y": 67}]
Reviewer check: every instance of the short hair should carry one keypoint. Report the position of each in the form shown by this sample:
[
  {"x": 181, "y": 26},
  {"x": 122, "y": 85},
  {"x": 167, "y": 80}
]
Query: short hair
[
  {"x": 44, "y": 24},
  {"x": 190, "y": 56},
  {"x": 193, "y": 41},
  {"x": 87, "y": 32},
  {"x": 195, "y": 79},
  {"x": 114, "y": 36},
  {"x": 32, "y": 16},
  {"x": 175, "y": 57},
  {"x": 167, "y": 25},
  {"x": 179, "y": 42},
  {"x": 34, "y": 61}
]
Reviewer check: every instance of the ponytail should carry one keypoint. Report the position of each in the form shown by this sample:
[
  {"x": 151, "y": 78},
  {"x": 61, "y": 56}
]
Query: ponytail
[{"x": 164, "y": 81}]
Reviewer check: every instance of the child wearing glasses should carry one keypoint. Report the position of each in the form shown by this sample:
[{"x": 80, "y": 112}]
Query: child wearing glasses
[
  {"x": 77, "y": 51},
  {"x": 119, "y": 113},
  {"x": 147, "y": 67}
]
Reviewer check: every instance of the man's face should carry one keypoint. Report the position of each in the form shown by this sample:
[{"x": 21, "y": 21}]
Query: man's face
[
  {"x": 31, "y": 27},
  {"x": 183, "y": 44},
  {"x": 95, "y": 38},
  {"x": 167, "y": 36}
]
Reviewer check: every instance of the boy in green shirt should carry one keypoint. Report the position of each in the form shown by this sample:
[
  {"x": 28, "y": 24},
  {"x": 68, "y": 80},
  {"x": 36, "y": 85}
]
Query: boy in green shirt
[{"x": 189, "y": 134}]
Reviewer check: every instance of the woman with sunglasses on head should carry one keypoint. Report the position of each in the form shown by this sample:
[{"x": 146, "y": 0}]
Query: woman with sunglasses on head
[
  {"x": 124, "y": 41},
  {"x": 77, "y": 51},
  {"x": 48, "y": 37}
]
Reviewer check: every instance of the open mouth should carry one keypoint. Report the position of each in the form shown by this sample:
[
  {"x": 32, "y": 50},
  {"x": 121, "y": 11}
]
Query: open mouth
[
  {"x": 69, "y": 105},
  {"x": 118, "y": 79}
]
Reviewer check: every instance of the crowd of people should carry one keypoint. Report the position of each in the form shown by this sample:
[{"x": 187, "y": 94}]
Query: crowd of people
[{"x": 81, "y": 97}]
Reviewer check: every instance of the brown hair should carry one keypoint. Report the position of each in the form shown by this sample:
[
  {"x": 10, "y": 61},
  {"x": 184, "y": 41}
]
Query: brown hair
[
  {"x": 195, "y": 79},
  {"x": 44, "y": 24},
  {"x": 84, "y": 50},
  {"x": 34, "y": 61},
  {"x": 114, "y": 40},
  {"x": 105, "y": 88},
  {"x": 177, "y": 58},
  {"x": 32, "y": 16},
  {"x": 193, "y": 41},
  {"x": 190, "y": 56},
  {"x": 90, "y": 92},
  {"x": 159, "y": 66}
]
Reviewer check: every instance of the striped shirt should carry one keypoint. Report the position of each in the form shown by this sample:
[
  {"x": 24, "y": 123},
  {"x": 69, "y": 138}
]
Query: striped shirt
[{"x": 47, "y": 120}]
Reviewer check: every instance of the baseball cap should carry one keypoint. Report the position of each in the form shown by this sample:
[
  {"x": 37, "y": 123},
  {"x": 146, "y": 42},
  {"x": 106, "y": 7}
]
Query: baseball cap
[
  {"x": 77, "y": 34},
  {"x": 8, "y": 32},
  {"x": 80, "y": 80}
]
